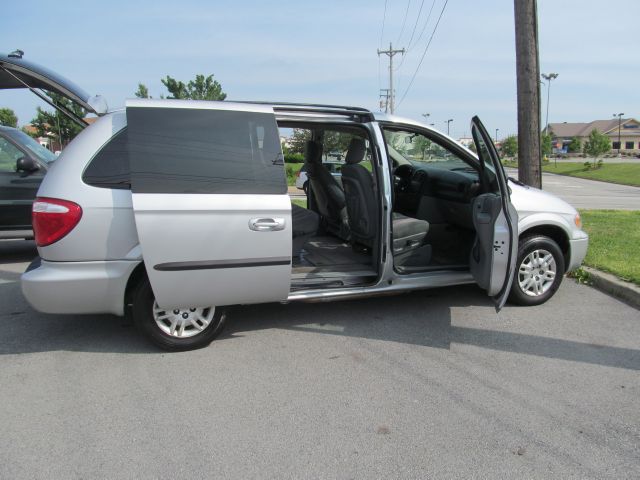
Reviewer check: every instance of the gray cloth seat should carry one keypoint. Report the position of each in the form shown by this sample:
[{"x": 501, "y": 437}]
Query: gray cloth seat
[
  {"x": 363, "y": 209},
  {"x": 328, "y": 196},
  {"x": 305, "y": 224}
]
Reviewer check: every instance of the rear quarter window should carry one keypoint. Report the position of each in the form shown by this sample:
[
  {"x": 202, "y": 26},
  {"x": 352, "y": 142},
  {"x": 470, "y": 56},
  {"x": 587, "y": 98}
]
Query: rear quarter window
[{"x": 109, "y": 168}]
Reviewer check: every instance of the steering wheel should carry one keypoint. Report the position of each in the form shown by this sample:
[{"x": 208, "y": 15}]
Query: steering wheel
[{"x": 403, "y": 174}]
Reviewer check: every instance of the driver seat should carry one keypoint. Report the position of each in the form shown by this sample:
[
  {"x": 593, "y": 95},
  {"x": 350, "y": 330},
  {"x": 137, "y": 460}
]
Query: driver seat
[{"x": 362, "y": 207}]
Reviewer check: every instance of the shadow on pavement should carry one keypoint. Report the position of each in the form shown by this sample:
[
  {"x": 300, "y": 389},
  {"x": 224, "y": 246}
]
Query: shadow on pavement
[{"x": 418, "y": 318}]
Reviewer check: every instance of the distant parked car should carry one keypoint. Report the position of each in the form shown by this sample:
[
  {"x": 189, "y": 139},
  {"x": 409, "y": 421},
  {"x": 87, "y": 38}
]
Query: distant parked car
[
  {"x": 302, "y": 180},
  {"x": 23, "y": 164}
]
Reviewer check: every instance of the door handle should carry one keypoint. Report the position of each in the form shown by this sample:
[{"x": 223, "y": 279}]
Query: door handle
[{"x": 266, "y": 224}]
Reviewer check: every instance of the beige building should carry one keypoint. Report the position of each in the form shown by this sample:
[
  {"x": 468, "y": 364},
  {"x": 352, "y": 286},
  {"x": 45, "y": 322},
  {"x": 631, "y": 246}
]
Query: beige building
[{"x": 562, "y": 133}]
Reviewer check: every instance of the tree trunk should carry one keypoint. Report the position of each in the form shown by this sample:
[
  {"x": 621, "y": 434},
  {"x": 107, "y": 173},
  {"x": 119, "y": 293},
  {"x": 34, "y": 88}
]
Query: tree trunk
[{"x": 528, "y": 74}]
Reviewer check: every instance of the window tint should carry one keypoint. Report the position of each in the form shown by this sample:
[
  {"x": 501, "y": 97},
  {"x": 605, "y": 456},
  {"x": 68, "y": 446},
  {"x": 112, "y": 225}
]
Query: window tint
[
  {"x": 110, "y": 167},
  {"x": 177, "y": 150}
]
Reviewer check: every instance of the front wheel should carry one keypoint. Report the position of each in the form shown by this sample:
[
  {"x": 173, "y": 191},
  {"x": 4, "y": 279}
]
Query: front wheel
[
  {"x": 176, "y": 329},
  {"x": 539, "y": 271}
]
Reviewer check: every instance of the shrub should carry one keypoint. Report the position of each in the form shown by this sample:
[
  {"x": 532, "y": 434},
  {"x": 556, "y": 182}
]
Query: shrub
[{"x": 293, "y": 157}]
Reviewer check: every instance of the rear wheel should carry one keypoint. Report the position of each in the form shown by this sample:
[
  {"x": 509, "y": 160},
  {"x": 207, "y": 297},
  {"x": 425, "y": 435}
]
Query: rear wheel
[
  {"x": 539, "y": 271},
  {"x": 176, "y": 329}
]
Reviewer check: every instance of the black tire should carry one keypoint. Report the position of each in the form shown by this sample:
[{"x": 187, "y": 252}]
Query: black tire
[
  {"x": 142, "y": 311},
  {"x": 528, "y": 245}
]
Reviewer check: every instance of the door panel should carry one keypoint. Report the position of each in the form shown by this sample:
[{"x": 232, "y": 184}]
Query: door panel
[
  {"x": 210, "y": 202},
  {"x": 489, "y": 257},
  {"x": 200, "y": 250},
  {"x": 493, "y": 256}
]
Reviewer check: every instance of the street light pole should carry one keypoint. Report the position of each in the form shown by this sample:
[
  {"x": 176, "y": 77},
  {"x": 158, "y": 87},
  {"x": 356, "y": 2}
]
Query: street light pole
[
  {"x": 448, "y": 122},
  {"x": 619, "y": 115},
  {"x": 497, "y": 134},
  {"x": 426, "y": 116},
  {"x": 548, "y": 78}
]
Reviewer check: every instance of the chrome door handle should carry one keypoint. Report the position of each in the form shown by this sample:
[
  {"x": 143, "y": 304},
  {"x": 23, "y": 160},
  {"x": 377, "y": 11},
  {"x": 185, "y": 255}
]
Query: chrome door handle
[{"x": 266, "y": 224}]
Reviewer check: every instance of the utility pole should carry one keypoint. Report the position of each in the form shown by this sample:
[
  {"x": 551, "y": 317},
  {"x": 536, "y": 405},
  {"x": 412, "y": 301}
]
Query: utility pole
[
  {"x": 384, "y": 99},
  {"x": 528, "y": 75},
  {"x": 619, "y": 115},
  {"x": 448, "y": 122},
  {"x": 390, "y": 53}
]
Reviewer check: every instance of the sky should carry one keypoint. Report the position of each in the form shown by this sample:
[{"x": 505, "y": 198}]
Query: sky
[{"x": 326, "y": 52}]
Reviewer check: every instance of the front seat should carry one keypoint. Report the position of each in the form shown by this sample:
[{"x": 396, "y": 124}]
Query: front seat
[
  {"x": 363, "y": 211},
  {"x": 328, "y": 195}
]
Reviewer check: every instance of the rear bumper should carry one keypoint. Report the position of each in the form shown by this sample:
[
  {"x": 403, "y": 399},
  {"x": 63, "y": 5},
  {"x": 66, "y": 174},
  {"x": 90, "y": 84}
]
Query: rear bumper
[
  {"x": 578, "y": 250},
  {"x": 77, "y": 287}
]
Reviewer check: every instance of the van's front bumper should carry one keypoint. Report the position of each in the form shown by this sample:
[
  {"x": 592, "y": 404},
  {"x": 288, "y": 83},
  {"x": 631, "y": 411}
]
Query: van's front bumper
[
  {"x": 77, "y": 287},
  {"x": 578, "y": 250}
]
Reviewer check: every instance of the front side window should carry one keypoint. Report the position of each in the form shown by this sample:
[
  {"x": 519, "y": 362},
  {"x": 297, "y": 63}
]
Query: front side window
[
  {"x": 175, "y": 150},
  {"x": 34, "y": 147},
  {"x": 9, "y": 154}
]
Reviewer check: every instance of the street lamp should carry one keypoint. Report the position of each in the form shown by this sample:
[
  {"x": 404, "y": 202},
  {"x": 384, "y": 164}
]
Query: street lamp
[
  {"x": 548, "y": 78},
  {"x": 619, "y": 115},
  {"x": 426, "y": 116},
  {"x": 448, "y": 122},
  {"x": 497, "y": 134}
]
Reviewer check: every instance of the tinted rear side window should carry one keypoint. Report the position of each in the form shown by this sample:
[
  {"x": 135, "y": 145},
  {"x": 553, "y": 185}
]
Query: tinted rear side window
[
  {"x": 175, "y": 150},
  {"x": 110, "y": 167}
]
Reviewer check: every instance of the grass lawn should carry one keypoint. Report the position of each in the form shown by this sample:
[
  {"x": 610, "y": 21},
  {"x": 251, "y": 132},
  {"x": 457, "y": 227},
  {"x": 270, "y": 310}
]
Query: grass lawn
[
  {"x": 624, "y": 173},
  {"x": 300, "y": 202},
  {"x": 614, "y": 241}
]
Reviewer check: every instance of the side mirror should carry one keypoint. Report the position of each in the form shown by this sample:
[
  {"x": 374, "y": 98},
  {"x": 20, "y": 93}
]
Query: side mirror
[{"x": 26, "y": 164}]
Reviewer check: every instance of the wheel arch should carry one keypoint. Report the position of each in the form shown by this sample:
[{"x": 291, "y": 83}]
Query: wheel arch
[
  {"x": 138, "y": 273},
  {"x": 555, "y": 233}
]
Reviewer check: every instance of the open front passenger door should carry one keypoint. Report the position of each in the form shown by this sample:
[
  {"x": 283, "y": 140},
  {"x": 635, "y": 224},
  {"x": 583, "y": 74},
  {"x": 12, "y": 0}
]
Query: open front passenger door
[{"x": 493, "y": 256}]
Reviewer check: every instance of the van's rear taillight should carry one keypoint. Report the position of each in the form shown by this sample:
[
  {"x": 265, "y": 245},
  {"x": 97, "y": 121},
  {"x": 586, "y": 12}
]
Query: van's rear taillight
[{"x": 53, "y": 219}]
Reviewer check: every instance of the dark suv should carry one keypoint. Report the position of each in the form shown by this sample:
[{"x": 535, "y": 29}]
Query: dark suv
[{"x": 23, "y": 164}]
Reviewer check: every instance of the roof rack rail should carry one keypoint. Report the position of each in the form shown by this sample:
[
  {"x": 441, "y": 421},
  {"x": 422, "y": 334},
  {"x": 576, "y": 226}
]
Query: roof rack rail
[{"x": 315, "y": 108}]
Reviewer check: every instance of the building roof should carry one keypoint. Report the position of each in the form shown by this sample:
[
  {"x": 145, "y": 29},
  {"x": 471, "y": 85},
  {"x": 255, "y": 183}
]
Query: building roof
[{"x": 567, "y": 129}]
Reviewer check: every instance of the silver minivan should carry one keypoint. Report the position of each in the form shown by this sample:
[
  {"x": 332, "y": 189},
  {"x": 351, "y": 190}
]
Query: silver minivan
[{"x": 170, "y": 211}]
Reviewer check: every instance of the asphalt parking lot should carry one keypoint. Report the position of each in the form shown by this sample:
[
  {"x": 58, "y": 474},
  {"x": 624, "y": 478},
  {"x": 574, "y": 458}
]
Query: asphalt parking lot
[{"x": 431, "y": 384}]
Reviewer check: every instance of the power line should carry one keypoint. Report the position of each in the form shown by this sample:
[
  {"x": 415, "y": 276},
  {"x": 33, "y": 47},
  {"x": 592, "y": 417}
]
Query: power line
[
  {"x": 415, "y": 24},
  {"x": 404, "y": 22},
  {"x": 426, "y": 23},
  {"x": 424, "y": 53},
  {"x": 412, "y": 34},
  {"x": 384, "y": 17}
]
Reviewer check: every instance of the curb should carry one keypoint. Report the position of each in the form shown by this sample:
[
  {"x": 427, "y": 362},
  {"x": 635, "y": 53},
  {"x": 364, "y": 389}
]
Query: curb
[{"x": 615, "y": 287}]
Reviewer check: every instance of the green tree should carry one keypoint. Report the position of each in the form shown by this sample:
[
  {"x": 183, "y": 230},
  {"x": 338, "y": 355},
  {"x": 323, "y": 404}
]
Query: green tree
[
  {"x": 57, "y": 125},
  {"x": 575, "y": 145},
  {"x": 298, "y": 140},
  {"x": 545, "y": 144},
  {"x": 8, "y": 118},
  {"x": 143, "y": 91},
  {"x": 510, "y": 146},
  {"x": 201, "y": 88},
  {"x": 597, "y": 144}
]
